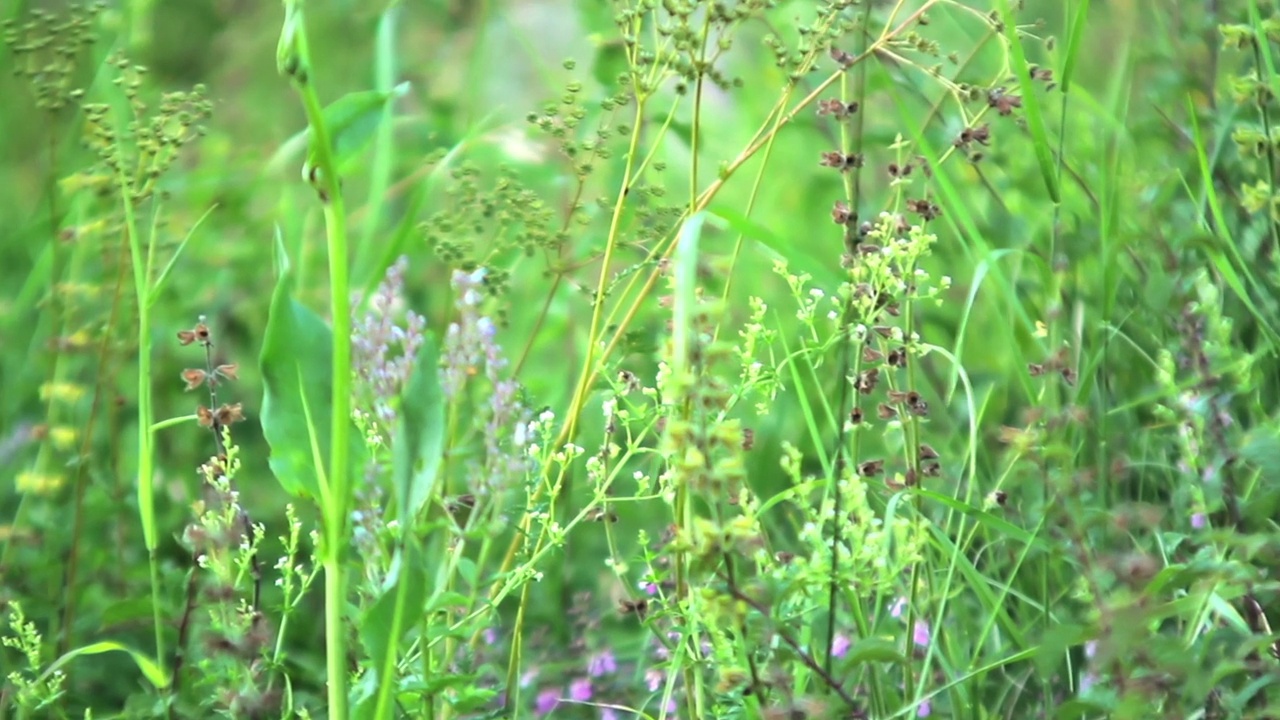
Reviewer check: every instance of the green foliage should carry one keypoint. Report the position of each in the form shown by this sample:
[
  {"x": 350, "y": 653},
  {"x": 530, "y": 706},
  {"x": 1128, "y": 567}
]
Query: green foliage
[
  {"x": 297, "y": 404},
  {"x": 670, "y": 359},
  {"x": 352, "y": 120},
  {"x": 386, "y": 621}
]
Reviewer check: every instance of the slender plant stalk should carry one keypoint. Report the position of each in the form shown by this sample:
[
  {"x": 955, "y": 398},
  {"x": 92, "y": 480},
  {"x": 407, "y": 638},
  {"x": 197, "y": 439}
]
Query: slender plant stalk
[
  {"x": 295, "y": 61},
  {"x": 141, "y": 262}
]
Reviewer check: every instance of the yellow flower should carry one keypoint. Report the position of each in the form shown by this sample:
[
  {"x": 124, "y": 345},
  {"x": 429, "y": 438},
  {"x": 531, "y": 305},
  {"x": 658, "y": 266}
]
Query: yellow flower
[
  {"x": 37, "y": 484},
  {"x": 66, "y": 392},
  {"x": 64, "y": 436}
]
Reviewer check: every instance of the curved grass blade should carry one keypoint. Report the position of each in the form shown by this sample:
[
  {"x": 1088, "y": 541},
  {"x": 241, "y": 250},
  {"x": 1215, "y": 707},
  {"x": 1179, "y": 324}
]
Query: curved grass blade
[
  {"x": 1221, "y": 238},
  {"x": 151, "y": 670},
  {"x": 1030, "y": 103}
]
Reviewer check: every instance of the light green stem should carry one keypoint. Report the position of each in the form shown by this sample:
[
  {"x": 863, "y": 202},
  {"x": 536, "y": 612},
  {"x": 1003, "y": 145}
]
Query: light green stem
[
  {"x": 325, "y": 178},
  {"x": 141, "y": 262}
]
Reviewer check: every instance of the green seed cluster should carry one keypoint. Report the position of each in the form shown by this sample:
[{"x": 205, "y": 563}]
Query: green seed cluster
[
  {"x": 45, "y": 49},
  {"x": 691, "y": 37},
  {"x": 478, "y": 222},
  {"x": 830, "y": 25},
  {"x": 151, "y": 140},
  {"x": 562, "y": 121}
]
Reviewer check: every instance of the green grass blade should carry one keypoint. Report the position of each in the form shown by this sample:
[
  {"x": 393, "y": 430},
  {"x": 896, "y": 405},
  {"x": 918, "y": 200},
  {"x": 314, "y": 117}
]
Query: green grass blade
[
  {"x": 1075, "y": 36},
  {"x": 1030, "y": 102}
]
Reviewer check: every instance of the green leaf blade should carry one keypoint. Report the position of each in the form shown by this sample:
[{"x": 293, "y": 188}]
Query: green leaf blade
[{"x": 296, "y": 363}]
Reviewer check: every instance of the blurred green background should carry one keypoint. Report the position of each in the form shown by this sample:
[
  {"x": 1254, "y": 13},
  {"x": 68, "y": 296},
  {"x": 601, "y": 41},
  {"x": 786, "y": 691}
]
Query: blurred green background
[{"x": 1110, "y": 261}]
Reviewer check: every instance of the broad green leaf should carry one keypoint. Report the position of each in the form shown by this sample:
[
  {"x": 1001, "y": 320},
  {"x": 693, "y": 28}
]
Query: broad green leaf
[
  {"x": 445, "y": 600},
  {"x": 1054, "y": 645},
  {"x": 352, "y": 121},
  {"x": 610, "y": 63},
  {"x": 1262, "y": 448},
  {"x": 1091, "y": 707},
  {"x": 610, "y": 60},
  {"x": 297, "y": 404},
  {"x": 875, "y": 650},
  {"x": 155, "y": 674},
  {"x": 418, "y": 445},
  {"x": 399, "y": 607}
]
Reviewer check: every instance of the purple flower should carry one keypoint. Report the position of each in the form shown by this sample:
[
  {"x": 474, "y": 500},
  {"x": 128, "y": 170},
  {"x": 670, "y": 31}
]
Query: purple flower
[
  {"x": 470, "y": 344},
  {"x": 898, "y": 607},
  {"x": 608, "y": 714},
  {"x": 653, "y": 679},
  {"x": 547, "y": 701},
  {"x": 925, "y": 709},
  {"x": 580, "y": 690},
  {"x": 840, "y": 645},
  {"x": 383, "y": 352},
  {"x": 1087, "y": 680},
  {"x": 465, "y": 343},
  {"x": 1198, "y": 521},
  {"x": 602, "y": 663},
  {"x": 920, "y": 633}
]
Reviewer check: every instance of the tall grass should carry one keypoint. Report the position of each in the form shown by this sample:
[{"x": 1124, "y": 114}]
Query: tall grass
[{"x": 909, "y": 359}]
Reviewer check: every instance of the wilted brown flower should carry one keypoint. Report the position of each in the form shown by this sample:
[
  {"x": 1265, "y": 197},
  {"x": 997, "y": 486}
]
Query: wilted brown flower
[
  {"x": 228, "y": 414},
  {"x": 193, "y": 377},
  {"x": 841, "y": 161},
  {"x": 1004, "y": 103},
  {"x": 199, "y": 333}
]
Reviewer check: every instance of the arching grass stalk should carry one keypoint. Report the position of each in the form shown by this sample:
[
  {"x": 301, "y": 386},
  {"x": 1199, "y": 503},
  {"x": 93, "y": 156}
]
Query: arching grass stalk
[
  {"x": 141, "y": 259},
  {"x": 293, "y": 60}
]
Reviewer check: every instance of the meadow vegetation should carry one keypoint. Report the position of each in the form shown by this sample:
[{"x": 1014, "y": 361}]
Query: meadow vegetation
[{"x": 651, "y": 359}]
